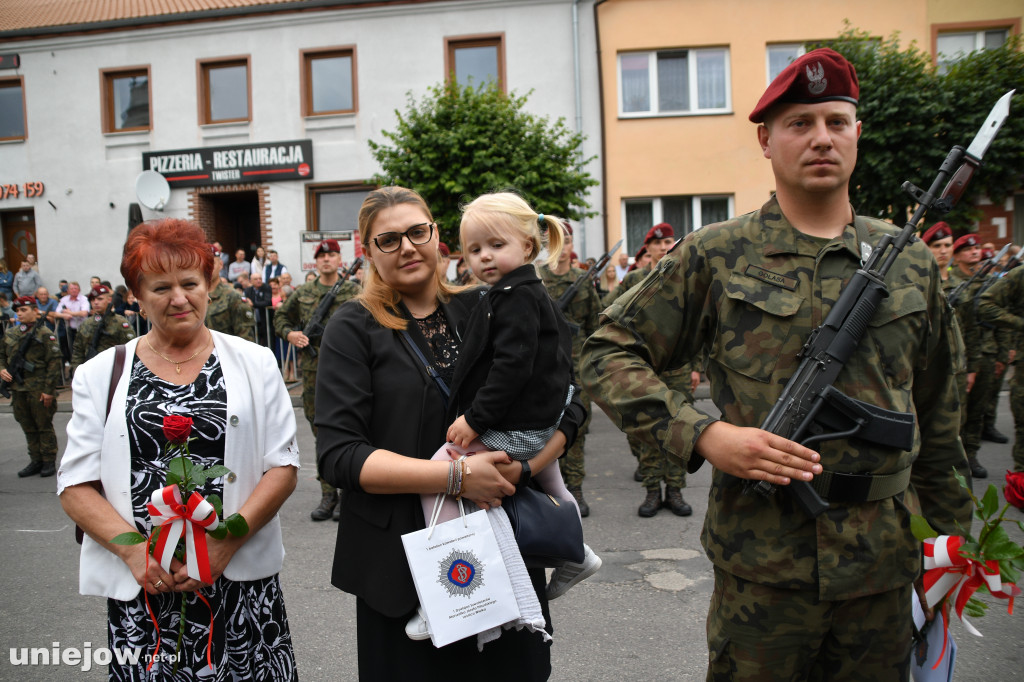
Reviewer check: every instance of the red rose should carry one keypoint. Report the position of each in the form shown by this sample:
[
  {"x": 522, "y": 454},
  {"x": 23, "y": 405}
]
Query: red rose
[
  {"x": 1014, "y": 490},
  {"x": 177, "y": 428}
]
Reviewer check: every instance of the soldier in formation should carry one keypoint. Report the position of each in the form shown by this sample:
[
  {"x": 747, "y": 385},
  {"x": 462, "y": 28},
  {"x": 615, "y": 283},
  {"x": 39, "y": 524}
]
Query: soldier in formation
[
  {"x": 290, "y": 321},
  {"x": 102, "y": 330},
  {"x": 29, "y": 350},
  {"x": 1002, "y": 305},
  {"x": 795, "y": 596},
  {"x": 581, "y": 314},
  {"x": 653, "y": 467},
  {"x": 230, "y": 313}
]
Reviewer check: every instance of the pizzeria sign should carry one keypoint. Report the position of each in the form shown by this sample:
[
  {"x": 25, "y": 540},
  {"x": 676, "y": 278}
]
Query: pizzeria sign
[{"x": 273, "y": 161}]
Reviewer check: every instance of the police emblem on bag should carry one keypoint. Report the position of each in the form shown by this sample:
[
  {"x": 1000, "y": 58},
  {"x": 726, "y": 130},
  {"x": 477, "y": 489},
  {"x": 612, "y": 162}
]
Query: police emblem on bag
[
  {"x": 460, "y": 573},
  {"x": 816, "y": 76}
]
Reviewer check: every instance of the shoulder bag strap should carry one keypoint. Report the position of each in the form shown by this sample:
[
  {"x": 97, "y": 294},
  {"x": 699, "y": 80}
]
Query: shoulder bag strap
[{"x": 429, "y": 367}]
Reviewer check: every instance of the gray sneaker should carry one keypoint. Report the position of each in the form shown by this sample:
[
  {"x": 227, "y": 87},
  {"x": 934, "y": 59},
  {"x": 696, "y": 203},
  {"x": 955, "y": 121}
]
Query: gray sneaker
[{"x": 568, "y": 574}]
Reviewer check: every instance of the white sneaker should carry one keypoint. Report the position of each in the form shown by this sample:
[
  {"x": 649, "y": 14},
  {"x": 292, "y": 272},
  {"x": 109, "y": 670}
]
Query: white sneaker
[
  {"x": 568, "y": 574},
  {"x": 417, "y": 627}
]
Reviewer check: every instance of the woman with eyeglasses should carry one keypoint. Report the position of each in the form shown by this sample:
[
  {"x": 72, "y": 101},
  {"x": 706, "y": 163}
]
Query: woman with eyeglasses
[{"x": 380, "y": 417}]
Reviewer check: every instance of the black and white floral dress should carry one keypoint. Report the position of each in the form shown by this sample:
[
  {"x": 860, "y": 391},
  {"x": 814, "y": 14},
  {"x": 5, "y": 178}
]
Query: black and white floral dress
[{"x": 251, "y": 640}]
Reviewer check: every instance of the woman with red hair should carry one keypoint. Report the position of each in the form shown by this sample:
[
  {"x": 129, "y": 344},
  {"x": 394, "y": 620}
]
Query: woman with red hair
[{"x": 117, "y": 457}]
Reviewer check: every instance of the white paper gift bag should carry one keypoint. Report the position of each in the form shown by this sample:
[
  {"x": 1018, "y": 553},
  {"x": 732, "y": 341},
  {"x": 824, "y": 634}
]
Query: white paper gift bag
[{"x": 460, "y": 576}]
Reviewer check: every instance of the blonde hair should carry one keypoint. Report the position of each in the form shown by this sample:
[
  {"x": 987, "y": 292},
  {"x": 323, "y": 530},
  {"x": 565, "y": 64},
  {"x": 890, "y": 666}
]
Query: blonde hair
[
  {"x": 378, "y": 296},
  {"x": 510, "y": 216}
]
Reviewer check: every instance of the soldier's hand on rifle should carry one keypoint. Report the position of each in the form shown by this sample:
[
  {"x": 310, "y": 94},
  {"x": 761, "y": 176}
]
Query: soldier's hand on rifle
[
  {"x": 971, "y": 376},
  {"x": 756, "y": 454},
  {"x": 5, "y": 375},
  {"x": 45, "y": 399},
  {"x": 298, "y": 339}
]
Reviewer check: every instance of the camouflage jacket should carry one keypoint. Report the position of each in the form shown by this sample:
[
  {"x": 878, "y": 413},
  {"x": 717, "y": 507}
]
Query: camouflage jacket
[
  {"x": 582, "y": 310},
  {"x": 296, "y": 311},
  {"x": 996, "y": 341},
  {"x": 632, "y": 278},
  {"x": 744, "y": 295},
  {"x": 43, "y": 356},
  {"x": 1002, "y": 305},
  {"x": 229, "y": 313},
  {"x": 116, "y": 330}
]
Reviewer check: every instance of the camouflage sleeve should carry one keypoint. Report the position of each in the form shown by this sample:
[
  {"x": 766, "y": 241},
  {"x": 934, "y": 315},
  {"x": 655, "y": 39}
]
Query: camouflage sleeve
[
  {"x": 619, "y": 290},
  {"x": 662, "y": 323},
  {"x": 999, "y": 305},
  {"x": 53, "y": 364},
  {"x": 286, "y": 318},
  {"x": 1004, "y": 343},
  {"x": 972, "y": 336},
  {"x": 242, "y": 320},
  {"x": 3, "y": 350},
  {"x": 82, "y": 341},
  {"x": 943, "y": 502},
  {"x": 592, "y": 309}
]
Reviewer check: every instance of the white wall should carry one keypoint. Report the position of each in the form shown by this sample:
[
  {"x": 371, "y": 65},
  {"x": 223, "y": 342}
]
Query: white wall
[{"x": 398, "y": 49}]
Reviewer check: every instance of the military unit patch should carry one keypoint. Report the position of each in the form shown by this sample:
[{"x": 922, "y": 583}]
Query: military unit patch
[{"x": 770, "y": 277}]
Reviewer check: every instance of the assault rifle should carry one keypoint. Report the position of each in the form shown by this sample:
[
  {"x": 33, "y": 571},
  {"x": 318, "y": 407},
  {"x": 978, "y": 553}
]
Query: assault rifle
[
  {"x": 315, "y": 327},
  {"x": 18, "y": 365},
  {"x": 97, "y": 334},
  {"x": 811, "y": 410},
  {"x": 1010, "y": 264},
  {"x": 980, "y": 273},
  {"x": 592, "y": 274}
]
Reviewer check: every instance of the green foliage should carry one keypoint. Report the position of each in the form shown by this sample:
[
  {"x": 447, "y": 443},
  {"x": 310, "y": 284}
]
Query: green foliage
[
  {"x": 459, "y": 142},
  {"x": 913, "y": 116}
]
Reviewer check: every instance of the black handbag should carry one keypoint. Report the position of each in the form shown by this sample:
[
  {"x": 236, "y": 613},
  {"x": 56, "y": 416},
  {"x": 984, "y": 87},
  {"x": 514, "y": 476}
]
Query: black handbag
[{"x": 547, "y": 530}]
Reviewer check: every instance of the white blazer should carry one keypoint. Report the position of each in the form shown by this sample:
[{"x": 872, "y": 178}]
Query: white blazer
[{"x": 260, "y": 436}]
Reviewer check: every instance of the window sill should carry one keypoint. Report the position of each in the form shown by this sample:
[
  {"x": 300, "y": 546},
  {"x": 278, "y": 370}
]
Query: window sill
[
  {"x": 211, "y": 131},
  {"x": 17, "y": 140},
  {"x": 129, "y": 138},
  {"x": 330, "y": 121},
  {"x": 675, "y": 114}
]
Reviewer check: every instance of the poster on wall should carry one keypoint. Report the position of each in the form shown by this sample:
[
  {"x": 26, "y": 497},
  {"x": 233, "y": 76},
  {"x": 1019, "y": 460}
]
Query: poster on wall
[
  {"x": 243, "y": 163},
  {"x": 347, "y": 240}
]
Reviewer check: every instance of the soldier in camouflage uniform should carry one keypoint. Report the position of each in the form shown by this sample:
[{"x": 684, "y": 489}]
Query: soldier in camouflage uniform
[
  {"x": 796, "y": 597},
  {"x": 230, "y": 313},
  {"x": 980, "y": 349},
  {"x": 289, "y": 321},
  {"x": 653, "y": 466},
  {"x": 33, "y": 402},
  {"x": 581, "y": 314},
  {"x": 1003, "y": 305},
  {"x": 1001, "y": 344},
  {"x": 116, "y": 329}
]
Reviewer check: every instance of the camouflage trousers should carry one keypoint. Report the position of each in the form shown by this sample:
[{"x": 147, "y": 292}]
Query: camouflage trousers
[
  {"x": 656, "y": 466},
  {"x": 309, "y": 409},
  {"x": 989, "y": 419},
  {"x": 571, "y": 465},
  {"x": 977, "y": 402},
  {"x": 762, "y": 633},
  {"x": 1017, "y": 408},
  {"x": 36, "y": 420}
]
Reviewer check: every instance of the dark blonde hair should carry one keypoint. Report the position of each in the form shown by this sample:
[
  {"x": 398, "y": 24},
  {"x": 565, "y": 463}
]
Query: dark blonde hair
[
  {"x": 377, "y": 295},
  {"x": 510, "y": 216}
]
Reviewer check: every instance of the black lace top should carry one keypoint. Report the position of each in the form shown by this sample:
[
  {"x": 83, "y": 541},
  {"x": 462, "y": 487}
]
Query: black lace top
[{"x": 443, "y": 344}]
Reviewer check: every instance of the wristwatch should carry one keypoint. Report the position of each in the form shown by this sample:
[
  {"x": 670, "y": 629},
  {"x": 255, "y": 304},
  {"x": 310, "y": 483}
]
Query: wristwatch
[{"x": 524, "y": 477}]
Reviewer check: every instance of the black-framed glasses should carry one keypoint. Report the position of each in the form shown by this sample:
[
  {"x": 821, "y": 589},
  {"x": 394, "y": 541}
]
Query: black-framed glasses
[{"x": 419, "y": 234}]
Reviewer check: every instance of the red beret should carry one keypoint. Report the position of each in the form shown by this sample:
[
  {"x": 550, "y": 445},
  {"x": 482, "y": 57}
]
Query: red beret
[
  {"x": 636, "y": 259},
  {"x": 659, "y": 231},
  {"x": 822, "y": 75},
  {"x": 327, "y": 246},
  {"x": 939, "y": 230},
  {"x": 566, "y": 227},
  {"x": 29, "y": 301},
  {"x": 98, "y": 291},
  {"x": 987, "y": 254},
  {"x": 443, "y": 248},
  {"x": 966, "y": 241}
]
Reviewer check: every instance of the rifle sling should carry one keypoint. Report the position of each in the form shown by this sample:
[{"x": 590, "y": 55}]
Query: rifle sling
[{"x": 855, "y": 488}]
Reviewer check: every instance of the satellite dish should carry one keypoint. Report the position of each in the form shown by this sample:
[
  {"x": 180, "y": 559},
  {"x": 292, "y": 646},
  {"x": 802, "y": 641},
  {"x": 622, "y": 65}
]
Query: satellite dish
[{"x": 152, "y": 190}]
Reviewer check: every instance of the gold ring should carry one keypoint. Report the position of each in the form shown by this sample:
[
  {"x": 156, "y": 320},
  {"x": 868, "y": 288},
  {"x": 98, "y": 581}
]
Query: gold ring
[{"x": 158, "y": 583}]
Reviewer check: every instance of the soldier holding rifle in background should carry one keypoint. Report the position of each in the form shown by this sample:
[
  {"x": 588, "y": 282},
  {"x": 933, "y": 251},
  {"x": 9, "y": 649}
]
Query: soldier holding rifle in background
[
  {"x": 797, "y": 595},
  {"x": 290, "y": 322}
]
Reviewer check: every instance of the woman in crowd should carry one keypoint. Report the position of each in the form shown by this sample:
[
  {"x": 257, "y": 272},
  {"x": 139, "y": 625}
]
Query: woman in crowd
[
  {"x": 380, "y": 418},
  {"x": 6, "y": 281},
  {"x": 116, "y": 458},
  {"x": 258, "y": 261}
]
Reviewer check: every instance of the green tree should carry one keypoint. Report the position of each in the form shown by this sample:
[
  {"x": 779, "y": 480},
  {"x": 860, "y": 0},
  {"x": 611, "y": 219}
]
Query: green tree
[
  {"x": 913, "y": 116},
  {"x": 459, "y": 142}
]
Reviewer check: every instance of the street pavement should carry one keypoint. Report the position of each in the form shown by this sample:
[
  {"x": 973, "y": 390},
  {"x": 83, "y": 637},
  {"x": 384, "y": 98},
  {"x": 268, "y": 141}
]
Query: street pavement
[{"x": 640, "y": 618}]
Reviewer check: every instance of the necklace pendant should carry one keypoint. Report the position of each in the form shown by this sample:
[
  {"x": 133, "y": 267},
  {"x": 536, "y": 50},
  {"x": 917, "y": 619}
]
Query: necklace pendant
[{"x": 177, "y": 368}]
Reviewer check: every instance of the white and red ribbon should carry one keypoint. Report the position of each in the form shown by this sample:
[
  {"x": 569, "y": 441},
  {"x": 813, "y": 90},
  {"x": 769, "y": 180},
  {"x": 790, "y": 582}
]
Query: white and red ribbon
[
  {"x": 947, "y": 572},
  {"x": 166, "y": 509}
]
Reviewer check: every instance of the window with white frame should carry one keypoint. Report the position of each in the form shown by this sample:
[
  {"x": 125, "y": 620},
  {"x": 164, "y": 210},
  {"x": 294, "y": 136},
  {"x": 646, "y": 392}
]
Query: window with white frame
[
  {"x": 685, "y": 213},
  {"x": 674, "y": 82},
  {"x": 952, "y": 46},
  {"x": 780, "y": 56}
]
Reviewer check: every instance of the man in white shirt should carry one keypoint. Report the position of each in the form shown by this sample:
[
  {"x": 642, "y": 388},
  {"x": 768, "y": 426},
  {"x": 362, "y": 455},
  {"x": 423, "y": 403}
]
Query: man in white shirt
[
  {"x": 622, "y": 266},
  {"x": 73, "y": 308}
]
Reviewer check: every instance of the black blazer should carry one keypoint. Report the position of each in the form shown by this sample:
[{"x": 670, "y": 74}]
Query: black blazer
[
  {"x": 515, "y": 363},
  {"x": 372, "y": 393}
]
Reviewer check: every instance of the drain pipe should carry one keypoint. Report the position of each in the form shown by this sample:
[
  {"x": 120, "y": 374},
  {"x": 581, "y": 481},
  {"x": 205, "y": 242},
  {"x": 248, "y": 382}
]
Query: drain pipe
[{"x": 582, "y": 246}]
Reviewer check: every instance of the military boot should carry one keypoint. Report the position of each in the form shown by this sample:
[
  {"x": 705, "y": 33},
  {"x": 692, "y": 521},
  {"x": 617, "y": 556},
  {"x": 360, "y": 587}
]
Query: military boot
[
  {"x": 675, "y": 502},
  {"x": 31, "y": 470},
  {"x": 990, "y": 434},
  {"x": 577, "y": 494},
  {"x": 977, "y": 471},
  {"x": 651, "y": 504},
  {"x": 327, "y": 503}
]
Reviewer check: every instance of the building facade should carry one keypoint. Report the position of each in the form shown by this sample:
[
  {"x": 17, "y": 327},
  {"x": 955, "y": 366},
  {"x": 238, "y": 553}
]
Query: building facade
[{"x": 256, "y": 113}]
